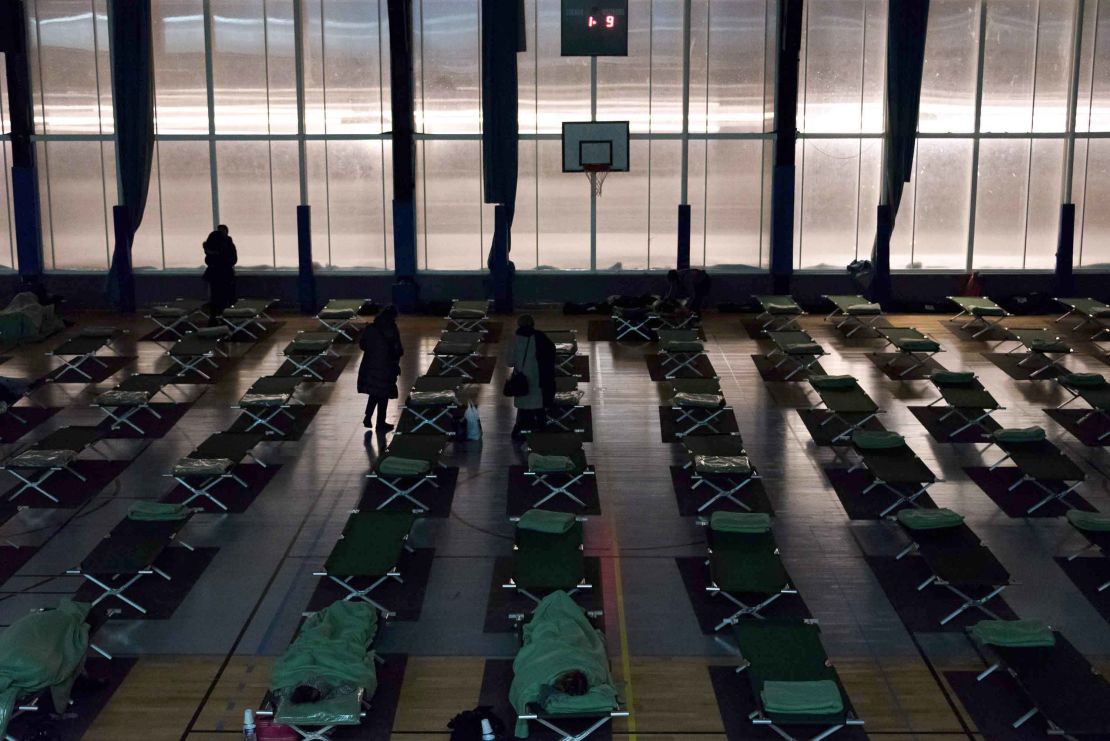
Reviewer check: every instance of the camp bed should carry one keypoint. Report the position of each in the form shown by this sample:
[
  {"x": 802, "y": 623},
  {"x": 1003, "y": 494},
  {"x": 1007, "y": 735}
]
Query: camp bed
[
  {"x": 978, "y": 312},
  {"x": 843, "y": 401},
  {"x": 214, "y": 461},
  {"x": 893, "y": 466},
  {"x": 77, "y": 352},
  {"x": 563, "y": 412},
  {"x": 796, "y": 348},
  {"x": 548, "y": 555},
  {"x": 200, "y": 347},
  {"x": 457, "y": 353},
  {"x": 468, "y": 316},
  {"x": 128, "y": 553},
  {"x": 1040, "y": 344},
  {"x": 308, "y": 350},
  {"x": 368, "y": 554},
  {"x": 340, "y": 315},
  {"x": 1040, "y": 463},
  {"x": 697, "y": 404},
  {"x": 795, "y": 687},
  {"x": 778, "y": 313},
  {"x": 556, "y": 462},
  {"x": 103, "y": 331},
  {"x": 679, "y": 317},
  {"x": 679, "y": 351},
  {"x": 246, "y": 313},
  {"x": 720, "y": 463},
  {"x": 132, "y": 396},
  {"x": 633, "y": 323},
  {"x": 54, "y": 454},
  {"x": 1089, "y": 309},
  {"x": 410, "y": 462},
  {"x": 1095, "y": 527},
  {"x": 558, "y": 637},
  {"x": 333, "y": 652},
  {"x": 1057, "y": 681},
  {"x": 957, "y": 559},
  {"x": 13, "y": 391},
  {"x": 853, "y": 312},
  {"x": 744, "y": 564},
  {"x": 1091, "y": 388},
  {"x": 178, "y": 317},
  {"x": 566, "y": 350},
  {"x": 268, "y": 399},
  {"x": 911, "y": 344},
  {"x": 965, "y": 398},
  {"x": 434, "y": 402}
]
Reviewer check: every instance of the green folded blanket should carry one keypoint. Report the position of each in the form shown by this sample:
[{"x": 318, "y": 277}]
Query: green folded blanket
[
  {"x": 819, "y": 697},
  {"x": 1018, "y": 435},
  {"x": 803, "y": 348},
  {"x": 1094, "y": 522},
  {"x": 832, "y": 382},
  {"x": 1049, "y": 346},
  {"x": 864, "y": 310},
  {"x": 918, "y": 345},
  {"x": 929, "y": 519},
  {"x": 1014, "y": 633},
  {"x": 540, "y": 463},
  {"x": 953, "y": 378},
  {"x": 545, "y": 521},
  {"x": 1084, "y": 380},
  {"x": 396, "y": 465},
  {"x": 740, "y": 522},
  {"x": 877, "y": 439},
  {"x": 988, "y": 311},
  {"x": 157, "y": 511},
  {"x": 720, "y": 464},
  {"x": 774, "y": 307}
]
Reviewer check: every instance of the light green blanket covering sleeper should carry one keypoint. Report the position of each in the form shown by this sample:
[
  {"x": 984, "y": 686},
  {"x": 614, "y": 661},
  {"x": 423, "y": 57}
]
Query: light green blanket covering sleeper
[{"x": 558, "y": 639}]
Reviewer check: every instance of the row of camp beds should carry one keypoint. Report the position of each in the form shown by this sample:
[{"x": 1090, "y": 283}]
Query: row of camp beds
[
  {"x": 646, "y": 322},
  {"x": 246, "y": 317}
]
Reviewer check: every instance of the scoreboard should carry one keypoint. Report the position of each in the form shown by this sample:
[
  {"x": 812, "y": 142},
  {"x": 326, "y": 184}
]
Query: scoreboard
[{"x": 595, "y": 28}]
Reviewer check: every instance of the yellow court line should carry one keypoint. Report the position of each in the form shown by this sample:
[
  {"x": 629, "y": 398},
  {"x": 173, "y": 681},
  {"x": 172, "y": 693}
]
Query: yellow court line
[{"x": 626, "y": 661}]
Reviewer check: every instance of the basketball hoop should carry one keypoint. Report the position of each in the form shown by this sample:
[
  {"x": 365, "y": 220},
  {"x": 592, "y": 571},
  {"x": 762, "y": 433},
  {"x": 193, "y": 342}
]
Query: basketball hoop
[{"x": 597, "y": 174}]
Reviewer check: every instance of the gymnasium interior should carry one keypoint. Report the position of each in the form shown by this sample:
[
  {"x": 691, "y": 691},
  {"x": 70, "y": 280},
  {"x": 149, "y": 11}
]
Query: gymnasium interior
[{"x": 755, "y": 379}]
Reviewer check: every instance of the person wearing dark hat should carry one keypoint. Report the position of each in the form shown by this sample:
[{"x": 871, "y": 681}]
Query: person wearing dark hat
[
  {"x": 381, "y": 347},
  {"x": 220, "y": 258}
]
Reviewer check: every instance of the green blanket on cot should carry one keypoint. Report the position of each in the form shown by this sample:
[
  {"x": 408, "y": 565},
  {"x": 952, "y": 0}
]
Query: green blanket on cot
[
  {"x": 1014, "y": 633},
  {"x": 42, "y": 650},
  {"x": 332, "y": 654},
  {"x": 559, "y": 639},
  {"x": 546, "y": 521},
  {"x": 816, "y": 697},
  {"x": 157, "y": 511}
]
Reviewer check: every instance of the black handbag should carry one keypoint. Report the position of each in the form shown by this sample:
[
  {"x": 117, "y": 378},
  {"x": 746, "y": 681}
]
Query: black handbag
[{"x": 517, "y": 384}]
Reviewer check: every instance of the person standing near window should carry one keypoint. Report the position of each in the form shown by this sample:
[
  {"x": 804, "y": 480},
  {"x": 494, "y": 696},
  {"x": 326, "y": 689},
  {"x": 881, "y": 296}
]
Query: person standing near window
[
  {"x": 381, "y": 347},
  {"x": 533, "y": 356},
  {"x": 220, "y": 258}
]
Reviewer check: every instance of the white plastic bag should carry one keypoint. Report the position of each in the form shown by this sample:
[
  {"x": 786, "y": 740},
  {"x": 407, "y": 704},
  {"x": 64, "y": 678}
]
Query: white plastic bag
[{"x": 473, "y": 422}]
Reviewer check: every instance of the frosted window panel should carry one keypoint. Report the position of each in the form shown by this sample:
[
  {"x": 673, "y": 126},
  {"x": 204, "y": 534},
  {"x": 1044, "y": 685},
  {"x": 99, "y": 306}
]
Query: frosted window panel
[
  {"x": 1055, "y": 29},
  {"x": 450, "y": 52},
  {"x": 1093, "y": 105},
  {"x": 313, "y": 69},
  {"x": 834, "y": 96},
  {"x": 564, "y": 82},
  {"x": 103, "y": 64},
  {"x": 737, "y": 56},
  {"x": 665, "y": 249},
  {"x": 1078, "y": 181},
  {"x": 316, "y": 173},
  {"x": 1000, "y": 206},
  {"x": 44, "y": 203},
  {"x": 1096, "y": 218},
  {"x": 186, "y": 202},
  {"x": 239, "y": 66},
  {"x": 671, "y": 60},
  {"x": 526, "y": 73},
  {"x": 68, "y": 100},
  {"x": 564, "y": 212},
  {"x": 286, "y": 179},
  {"x": 666, "y": 67},
  {"x": 5, "y": 127},
  {"x": 77, "y": 206},
  {"x": 181, "y": 99},
  {"x": 622, "y": 216},
  {"x": 146, "y": 249},
  {"x": 624, "y": 83},
  {"x": 352, "y": 64},
  {"x": 870, "y": 178},
  {"x": 7, "y": 221},
  {"x": 828, "y": 187},
  {"x": 281, "y": 67},
  {"x": 1008, "y": 66},
  {"x": 871, "y": 112},
  {"x": 1045, "y": 195},
  {"x": 734, "y": 203},
  {"x": 932, "y": 223},
  {"x": 355, "y": 204},
  {"x": 951, "y": 62},
  {"x": 451, "y": 212},
  {"x": 661, "y": 226},
  {"x": 245, "y": 203},
  {"x": 525, "y": 245}
]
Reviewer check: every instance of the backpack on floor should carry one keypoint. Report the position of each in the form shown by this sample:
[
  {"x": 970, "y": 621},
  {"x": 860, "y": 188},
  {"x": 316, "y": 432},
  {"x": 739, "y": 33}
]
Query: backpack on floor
[{"x": 467, "y": 725}]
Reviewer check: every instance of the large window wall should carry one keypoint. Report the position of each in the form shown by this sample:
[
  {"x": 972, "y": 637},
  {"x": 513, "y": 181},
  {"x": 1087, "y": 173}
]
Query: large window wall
[{"x": 7, "y": 219}]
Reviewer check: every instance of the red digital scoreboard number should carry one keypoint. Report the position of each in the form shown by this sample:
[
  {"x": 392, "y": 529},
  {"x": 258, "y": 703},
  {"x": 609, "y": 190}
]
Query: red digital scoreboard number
[{"x": 595, "y": 28}]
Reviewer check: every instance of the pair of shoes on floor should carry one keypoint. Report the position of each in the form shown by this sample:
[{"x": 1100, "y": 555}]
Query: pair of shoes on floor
[{"x": 382, "y": 428}]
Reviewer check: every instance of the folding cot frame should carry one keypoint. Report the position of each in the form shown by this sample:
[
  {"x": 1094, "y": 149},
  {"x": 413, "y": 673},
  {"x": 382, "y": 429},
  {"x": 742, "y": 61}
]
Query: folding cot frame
[
  {"x": 428, "y": 448},
  {"x": 339, "y": 314},
  {"x": 679, "y": 349},
  {"x": 1097, "y": 397},
  {"x": 724, "y": 485},
  {"x": 567, "y": 402},
  {"x": 55, "y": 453},
  {"x": 920, "y": 483},
  {"x": 896, "y": 337},
  {"x": 164, "y": 532},
  {"x": 468, "y": 316},
  {"x": 1026, "y": 339},
  {"x": 457, "y": 353},
  {"x": 223, "y": 452},
  {"x": 1090, "y": 309},
  {"x": 1031, "y": 454},
  {"x": 1096, "y": 540},
  {"x": 790, "y": 345},
  {"x": 950, "y": 394},
  {"x": 132, "y": 396},
  {"x": 22, "y": 392},
  {"x": 843, "y": 314},
  {"x": 187, "y": 354},
  {"x": 714, "y": 589},
  {"x": 632, "y": 321},
  {"x": 171, "y": 315},
  {"x": 769, "y": 315},
  {"x": 429, "y": 415},
  {"x": 574, "y": 534},
  {"x": 267, "y": 399},
  {"x": 829, "y": 402},
  {"x": 978, "y": 310},
  {"x": 567, "y": 444},
  {"x": 687, "y": 319},
  {"x": 699, "y": 416},
  {"x": 247, "y": 312},
  {"x": 75, "y": 352},
  {"x": 377, "y": 534},
  {"x": 307, "y": 349},
  {"x": 566, "y": 350}
]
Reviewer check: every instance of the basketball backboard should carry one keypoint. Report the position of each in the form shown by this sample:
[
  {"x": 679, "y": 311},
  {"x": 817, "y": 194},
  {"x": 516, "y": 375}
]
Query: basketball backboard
[{"x": 595, "y": 143}]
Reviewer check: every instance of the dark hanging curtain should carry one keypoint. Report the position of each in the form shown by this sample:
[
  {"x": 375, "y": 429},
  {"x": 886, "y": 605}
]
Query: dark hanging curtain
[
  {"x": 907, "y": 23},
  {"x": 133, "y": 103},
  {"x": 502, "y": 38}
]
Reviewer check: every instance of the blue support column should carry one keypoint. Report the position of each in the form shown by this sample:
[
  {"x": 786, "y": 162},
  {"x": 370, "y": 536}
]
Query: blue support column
[
  {"x": 1065, "y": 251},
  {"x": 786, "y": 136},
  {"x": 683, "y": 260},
  {"x": 405, "y": 291},
  {"x": 306, "y": 278}
]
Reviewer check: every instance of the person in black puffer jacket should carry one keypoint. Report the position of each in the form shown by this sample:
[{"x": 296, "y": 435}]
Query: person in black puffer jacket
[{"x": 381, "y": 347}]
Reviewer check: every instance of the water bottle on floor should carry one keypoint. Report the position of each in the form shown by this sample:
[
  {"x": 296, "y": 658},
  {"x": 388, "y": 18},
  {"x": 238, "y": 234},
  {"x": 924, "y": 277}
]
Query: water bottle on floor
[
  {"x": 487, "y": 731},
  {"x": 249, "y": 733}
]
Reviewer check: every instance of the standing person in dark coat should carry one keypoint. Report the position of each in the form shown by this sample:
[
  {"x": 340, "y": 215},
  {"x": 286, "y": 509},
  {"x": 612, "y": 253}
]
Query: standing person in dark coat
[
  {"x": 220, "y": 257},
  {"x": 534, "y": 356},
  {"x": 381, "y": 347}
]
